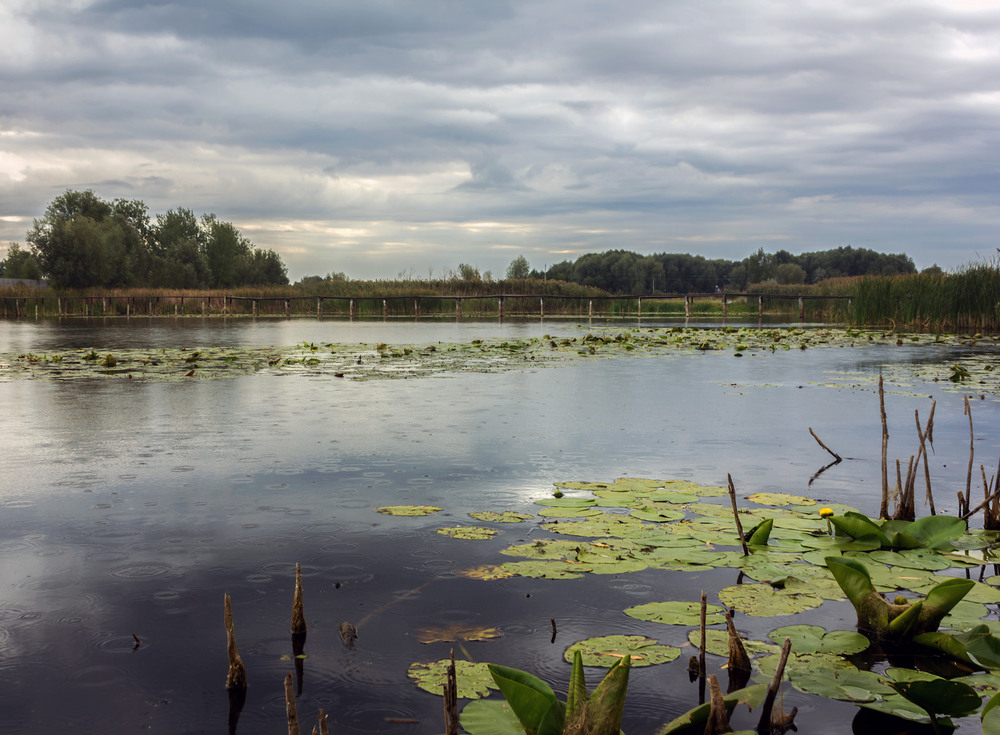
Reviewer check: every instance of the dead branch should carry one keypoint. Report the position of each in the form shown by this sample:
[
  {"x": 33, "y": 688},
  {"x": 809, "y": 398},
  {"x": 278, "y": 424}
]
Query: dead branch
[{"x": 835, "y": 455}]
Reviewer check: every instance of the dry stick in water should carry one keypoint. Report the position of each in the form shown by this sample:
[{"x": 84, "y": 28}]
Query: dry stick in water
[
  {"x": 290, "y": 712},
  {"x": 237, "y": 677},
  {"x": 451, "y": 699},
  {"x": 972, "y": 452},
  {"x": 835, "y": 455},
  {"x": 924, "y": 435},
  {"x": 298, "y": 610},
  {"x": 736, "y": 515},
  {"x": 884, "y": 507},
  {"x": 718, "y": 717},
  {"x": 783, "y": 721},
  {"x": 702, "y": 645},
  {"x": 322, "y": 728}
]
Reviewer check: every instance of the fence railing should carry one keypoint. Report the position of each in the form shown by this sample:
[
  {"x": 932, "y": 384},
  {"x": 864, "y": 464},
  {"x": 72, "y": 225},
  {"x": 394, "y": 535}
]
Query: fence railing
[{"x": 499, "y": 305}]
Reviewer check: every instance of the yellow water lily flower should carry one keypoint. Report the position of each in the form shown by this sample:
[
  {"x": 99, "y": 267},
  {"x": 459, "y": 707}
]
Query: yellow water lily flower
[{"x": 825, "y": 512}]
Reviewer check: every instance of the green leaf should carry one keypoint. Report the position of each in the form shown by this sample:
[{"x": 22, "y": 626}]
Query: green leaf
[
  {"x": 693, "y": 721},
  {"x": 576, "y": 699},
  {"x": 940, "y": 600},
  {"x": 759, "y": 534},
  {"x": 853, "y": 578},
  {"x": 474, "y": 533},
  {"x": 764, "y": 600},
  {"x": 814, "y": 639},
  {"x": 983, "y": 646},
  {"x": 940, "y": 696},
  {"x": 473, "y": 679},
  {"x": 902, "y": 624},
  {"x": 859, "y": 526},
  {"x": 607, "y": 703},
  {"x": 676, "y": 613},
  {"x": 529, "y": 697},
  {"x": 608, "y": 650},
  {"x": 490, "y": 717}
]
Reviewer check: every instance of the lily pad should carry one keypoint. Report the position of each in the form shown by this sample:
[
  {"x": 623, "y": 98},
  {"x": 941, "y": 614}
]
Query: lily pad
[
  {"x": 473, "y": 680},
  {"x": 570, "y": 512},
  {"x": 607, "y": 650},
  {"x": 455, "y": 633},
  {"x": 780, "y": 499},
  {"x": 763, "y": 600},
  {"x": 717, "y": 643},
  {"x": 508, "y": 516},
  {"x": 676, "y": 613},
  {"x": 475, "y": 533},
  {"x": 814, "y": 639},
  {"x": 658, "y": 514},
  {"x": 408, "y": 510},
  {"x": 486, "y": 572},
  {"x": 490, "y": 717},
  {"x": 545, "y": 549},
  {"x": 547, "y": 569}
]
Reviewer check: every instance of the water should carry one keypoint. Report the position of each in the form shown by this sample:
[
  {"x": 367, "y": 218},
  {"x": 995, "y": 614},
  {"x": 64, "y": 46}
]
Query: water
[{"x": 129, "y": 508}]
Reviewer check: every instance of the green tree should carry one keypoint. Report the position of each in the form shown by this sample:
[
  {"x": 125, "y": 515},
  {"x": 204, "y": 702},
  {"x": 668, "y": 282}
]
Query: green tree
[
  {"x": 518, "y": 268},
  {"x": 468, "y": 272},
  {"x": 19, "y": 264},
  {"x": 790, "y": 273},
  {"x": 223, "y": 247}
]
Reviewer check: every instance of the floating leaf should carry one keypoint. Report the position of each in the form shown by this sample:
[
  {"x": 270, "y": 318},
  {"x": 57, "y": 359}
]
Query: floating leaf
[
  {"x": 486, "y": 572},
  {"x": 814, "y": 639},
  {"x": 717, "y": 643},
  {"x": 694, "y": 719},
  {"x": 476, "y": 533},
  {"x": 456, "y": 632},
  {"x": 570, "y": 512},
  {"x": 408, "y": 510},
  {"x": 508, "y": 516},
  {"x": 941, "y": 696},
  {"x": 763, "y": 600},
  {"x": 545, "y": 549},
  {"x": 473, "y": 680},
  {"x": 657, "y": 514},
  {"x": 489, "y": 717},
  {"x": 780, "y": 499},
  {"x": 607, "y": 650},
  {"x": 676, "y": 613},
  {"x": 547, "y": 569},
  {"x": 846, "y": 683}
]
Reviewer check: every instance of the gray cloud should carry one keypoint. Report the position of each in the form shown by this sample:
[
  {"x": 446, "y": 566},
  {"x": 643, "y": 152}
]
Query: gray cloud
[{"x": 377, "y": 138}]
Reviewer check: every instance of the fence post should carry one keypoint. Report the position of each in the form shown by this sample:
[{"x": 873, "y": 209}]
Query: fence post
[
  {"x": 541, "y": 307},
  {"x": 288, "y": 308},
  {"x": 500, "y": 305},
  {"x": 687, "y": 306},
  {"x": 725, "y": 305},
  {"x": 640, "y": 307},
  {"x": 416, "y": 307},
  {"x": 802, "y": 310},
  {"x": 458, "y": 308},
  {"x": 351, "y": 311},
  {"x": 590, "y": 309},
  {"x": 319, "y": 306},
  {"x": 385, "y": 309}
]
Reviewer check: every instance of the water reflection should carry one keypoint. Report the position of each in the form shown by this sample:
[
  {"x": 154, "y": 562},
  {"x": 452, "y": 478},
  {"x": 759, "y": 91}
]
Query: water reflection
[{"x": 131, "y": 508}]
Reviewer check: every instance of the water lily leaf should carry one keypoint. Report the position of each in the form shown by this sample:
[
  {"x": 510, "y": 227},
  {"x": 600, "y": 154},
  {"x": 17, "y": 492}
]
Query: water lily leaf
[
  {"x": 806, "y": 664},
  {"x": 473, "y": 680},
  {"x": 911, "y": 559},
  {"x": 991, "y": 722},
  {"x": 965, "y": 615},
  {"x": 717, "y": 643},
  {"x": 570, "y": 512},
  {"x": 586, "y": 486},
  {"x": 545, "y": 549},
  {"x": 672, "y": 496},
  {"x": 983, "y": 593},
  {"x": 898, "y": 706},
  {"x": 607, "y": 650},
  {"x": 780, "y": 499},
  {"x": 814, "y": 639},
  {"x": 982, "y": 645},
  {"x": 456, "y": 632},
  {"x": 566, "y": 502},
  {"x": 486, "y": 572},
  {"x": 694, "y": 719},
  {"x": 985, "y": 683},
  {"x": 843, "y": 683},
  {"x": 476, "y": 533},
  {"x": 547, "y": 569},
  {"x": 676, "y": 612},
  {"x": 613, "y": 499},
  {"x": 859, "y": 527},
  {"x": 940, "y": 696},
  {"x": 531, "y": 699},
  {"x": 759, "y": 534},
  {"x": 489, "y": 717},
  {"x": 605, "y": 524},
  {"x": 610, "y": 566},
  {"x": 657, "y": 514},
  {"x": 508, "y": 516},
  {"x": 763, "y": 600},
  {"x": 936, "y": 532},
  {"x": 408, "y": 510}
]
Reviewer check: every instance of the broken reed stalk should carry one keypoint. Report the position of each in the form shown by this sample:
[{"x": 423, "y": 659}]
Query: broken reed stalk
[
  {"x": 884, "y": 507},
  {"x": 298, "y": 609},
  {"x": 736, "y": 516},
  {"x": 766, "y": 717},
  {"x": 450, "y": 687},
  {"x": 290, "y": 712},
  {"x": 972, "y": 452},
  {"x": 926, "y": 434},
  {"x": 738, "y": 658},
  {"x": 237, "y": 677},
  {"x": 969, "y": 513},
  {"x": 718, "y": 717},
  {"x": 322, "y": 728},
  {"x": 835, "y": 455},
  {"x": 703, "y": 644}
]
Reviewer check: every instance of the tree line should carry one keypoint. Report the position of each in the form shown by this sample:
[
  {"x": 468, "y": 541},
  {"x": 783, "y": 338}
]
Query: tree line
[
  {"x": 84, "y": 241},
  {"x": 622, "y": 271}
]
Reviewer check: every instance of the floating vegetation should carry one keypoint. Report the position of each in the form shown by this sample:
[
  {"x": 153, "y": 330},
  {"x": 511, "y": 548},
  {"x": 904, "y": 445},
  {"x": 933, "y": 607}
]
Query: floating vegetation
[
  {"x": 508, "y": 516},
  {"x": 455, "y": 633},
  {"x": 608, "y": 650},
  {"x": 408, "y": 510},
  {"x": 973, "y": 371},
  {"x": 473, "y": 533},
  {"x": 474, "y": 680}
]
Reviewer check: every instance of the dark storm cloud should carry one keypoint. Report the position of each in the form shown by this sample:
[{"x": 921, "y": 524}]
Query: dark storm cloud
[{"x": 377, "y": 136}]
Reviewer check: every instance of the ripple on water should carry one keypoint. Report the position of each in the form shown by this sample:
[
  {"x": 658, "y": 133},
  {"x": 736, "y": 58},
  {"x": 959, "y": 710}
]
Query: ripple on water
[
  {"x": 108, "y": 642},
  {"x": 99, "y": 676},
  {"x": 142, "y": 570},
  {"x": 372, "y": 716},
  {"x": 18, "y": 503}
]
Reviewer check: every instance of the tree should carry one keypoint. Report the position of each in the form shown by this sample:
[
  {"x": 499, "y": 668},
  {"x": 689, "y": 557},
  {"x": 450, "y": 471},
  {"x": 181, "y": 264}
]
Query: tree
[
  {"x": 468, "y": 272},
  {"x": 19, "y": 264},
  {"x": 223, "y": 247},
  {"x": 518, "y": 268},
  {"x": 790, "y": 273}
]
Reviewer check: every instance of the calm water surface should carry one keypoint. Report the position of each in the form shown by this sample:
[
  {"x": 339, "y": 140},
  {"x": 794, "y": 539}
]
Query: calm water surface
[{"x": 130, "y": 508}]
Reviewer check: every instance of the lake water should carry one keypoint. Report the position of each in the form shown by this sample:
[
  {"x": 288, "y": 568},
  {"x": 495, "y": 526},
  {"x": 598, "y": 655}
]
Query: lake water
[{"x": 130, "y": 508}]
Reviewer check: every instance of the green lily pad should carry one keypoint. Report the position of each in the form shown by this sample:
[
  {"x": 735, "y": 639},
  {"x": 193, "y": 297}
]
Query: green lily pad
[
  {"x": 657, "y": 514},
  {"x": 929, "y": 561},
  {"x": 545, "y": 549},
  {"x": 546, "y": 569},
  {"x": 845, "y": 683},
  {"x": 570, "y": 512},
  {"x": 473, "y": 680},
  {"x": 672, "y": 496},
  {"x": 408, "y": 510},
  {"x": 676, "y": 613},
  {"x": 803, "y": 665},
  {"x": 717, "y": 643},
  {"x": 814, "y": 639},
  {"x": 508, "y": 516},
  {"x": 780, "y": 499},
  {"x": 476, "y": 533},
  {"x": 763, "y": 600},
  {"x": 567, "y": 502},
  {"x": 605, "y": 524},
  {"x": 607, "y": 650}
]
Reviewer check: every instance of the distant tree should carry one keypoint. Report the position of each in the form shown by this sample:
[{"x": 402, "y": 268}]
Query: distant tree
[
  {"x": 934, "y": 270},
  {"x": 790, "y": 273},
  {"x": 518, "y": 268},
  {"x": 19, "y": 264},
  {"x": 468, "y": 272}
]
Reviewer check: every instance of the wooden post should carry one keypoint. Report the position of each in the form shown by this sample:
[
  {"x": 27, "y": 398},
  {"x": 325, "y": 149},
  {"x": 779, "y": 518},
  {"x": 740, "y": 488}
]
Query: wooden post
[
  {"x": 416, "y": 307},
  {"x": 725, "y": 305},
  {"x": 458, "y": 308},
  {"x": 288, "y": 308},
  {"x": 237, "y": 677},
  {"x": 351, "y": 312},
  {"x": 687, "y": 306},
  {"x": 385, "y": 309},
  {"x": 319, "y": 306},
  {"x": 204, "y": 306},
  {"x": 640, "y": 307},
  {"x": 128, "y": 307},
  {"x": 500, "y": 305},
  {"x": 590, "y": 309},
  {"x": 802, "y": 310},
  {"x": 760, "y": 307},
  {"x": 58, "y": 306},
  {"x": 175, "y": 308}
]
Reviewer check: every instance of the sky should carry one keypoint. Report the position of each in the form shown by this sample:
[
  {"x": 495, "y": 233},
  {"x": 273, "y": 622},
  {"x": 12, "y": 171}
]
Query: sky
[{"x": 385, "y": 139}]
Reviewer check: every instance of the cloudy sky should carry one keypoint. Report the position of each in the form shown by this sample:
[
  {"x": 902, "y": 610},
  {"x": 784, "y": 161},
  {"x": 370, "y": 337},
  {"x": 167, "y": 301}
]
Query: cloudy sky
[{"x": 384, "y": 137}]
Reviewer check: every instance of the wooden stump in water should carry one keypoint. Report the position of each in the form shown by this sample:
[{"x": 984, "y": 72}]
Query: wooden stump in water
[
  {"x": 298, "y": 610},
  {"x": 237, "y": 677}
]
